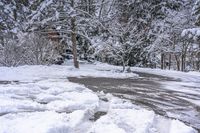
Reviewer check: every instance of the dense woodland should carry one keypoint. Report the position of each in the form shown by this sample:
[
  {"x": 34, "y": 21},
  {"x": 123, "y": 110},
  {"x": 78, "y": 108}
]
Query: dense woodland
[{"x": 144, "y": 33}]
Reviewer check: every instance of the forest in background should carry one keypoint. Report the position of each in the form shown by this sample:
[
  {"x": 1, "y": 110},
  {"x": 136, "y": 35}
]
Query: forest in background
[{"x": 145, "y": 33}]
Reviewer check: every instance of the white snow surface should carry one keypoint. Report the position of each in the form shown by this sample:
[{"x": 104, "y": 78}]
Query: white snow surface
[
  {"x": 188, "y": 82},
  {"x": 192, "y": 33},
  {"x": 183, "y": 76},
  {"x": 34, "y": 73},
  {"x": 40, "y": 99}
]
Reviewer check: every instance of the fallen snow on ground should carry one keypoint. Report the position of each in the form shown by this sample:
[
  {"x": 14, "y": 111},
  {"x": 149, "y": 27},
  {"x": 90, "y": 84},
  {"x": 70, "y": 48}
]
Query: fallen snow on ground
[
  {"x": 187, "y": 82},
  {"x": 186, "y": 91},
  {"x": 34, "y": 73},
  {"x": 183, "y": 76},
  {"x": 60, "y": 96},
  {"x": 44, "y": 101}
]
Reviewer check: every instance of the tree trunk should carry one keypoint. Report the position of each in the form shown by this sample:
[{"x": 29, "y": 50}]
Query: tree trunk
[
  {"x": 162, "y": 61},
  {"x": 124, "y": 65},
  {"x": 198, "y": 62},
  {"x": 73, "y": 39},
  {"x": 177, "y": 62},
  {"x": 182, "y": 62},
  {"x": 170, "y": 61}
]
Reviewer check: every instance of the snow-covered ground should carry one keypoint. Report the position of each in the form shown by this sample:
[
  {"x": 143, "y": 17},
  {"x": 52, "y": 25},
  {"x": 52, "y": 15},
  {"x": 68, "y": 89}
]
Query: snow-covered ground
[
  {"x": 188, "y": 82},
  {"x": 35, "y": 73},
  {"x": 183, "y": 76},
  {"x": 40, "y": 99}
]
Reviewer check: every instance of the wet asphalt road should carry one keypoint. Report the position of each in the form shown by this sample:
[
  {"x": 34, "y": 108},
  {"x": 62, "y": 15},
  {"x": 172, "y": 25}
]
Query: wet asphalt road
[{"x": 148, "y": 92}]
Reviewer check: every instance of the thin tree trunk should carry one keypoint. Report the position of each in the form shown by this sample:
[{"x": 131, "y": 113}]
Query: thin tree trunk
[
  {"x": 198, "y": 62},
  {"x": 100, "y": 12},
  {"x": 182, "y": 62},
  {"x": 177, "y": 62},
  {"x": 74, "y": 45},
  {"x": 170, "y": 61},
  {"x": 162, "y": 61},
  {"x": 192, "y": 59},
  {"x": 124, "y": 65},
  {"x": 73, "y": 39}
]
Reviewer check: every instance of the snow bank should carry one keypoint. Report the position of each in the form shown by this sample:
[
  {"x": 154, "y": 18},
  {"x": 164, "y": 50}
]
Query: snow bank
[
  {"x": 42, "y": 122},
  {"x": 36, "y": 122},
  {"x": 39, "y": 96},
  {"x": 123, "y": 117},
  {"x": 179, "y": 127},
  {"x": 46, "y": 106},
  {"x": 124, "y": 121}
]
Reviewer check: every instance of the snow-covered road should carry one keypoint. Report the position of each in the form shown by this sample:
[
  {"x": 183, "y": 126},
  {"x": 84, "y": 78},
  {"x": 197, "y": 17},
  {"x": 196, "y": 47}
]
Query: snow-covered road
[
  {"x": 171, "y": 97},
  {"x": 40, "y": 99}
]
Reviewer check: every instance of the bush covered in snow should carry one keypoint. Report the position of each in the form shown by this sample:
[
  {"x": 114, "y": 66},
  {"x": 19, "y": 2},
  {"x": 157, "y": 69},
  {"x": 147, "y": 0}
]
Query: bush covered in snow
[{"x": 31, "y": 49}]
